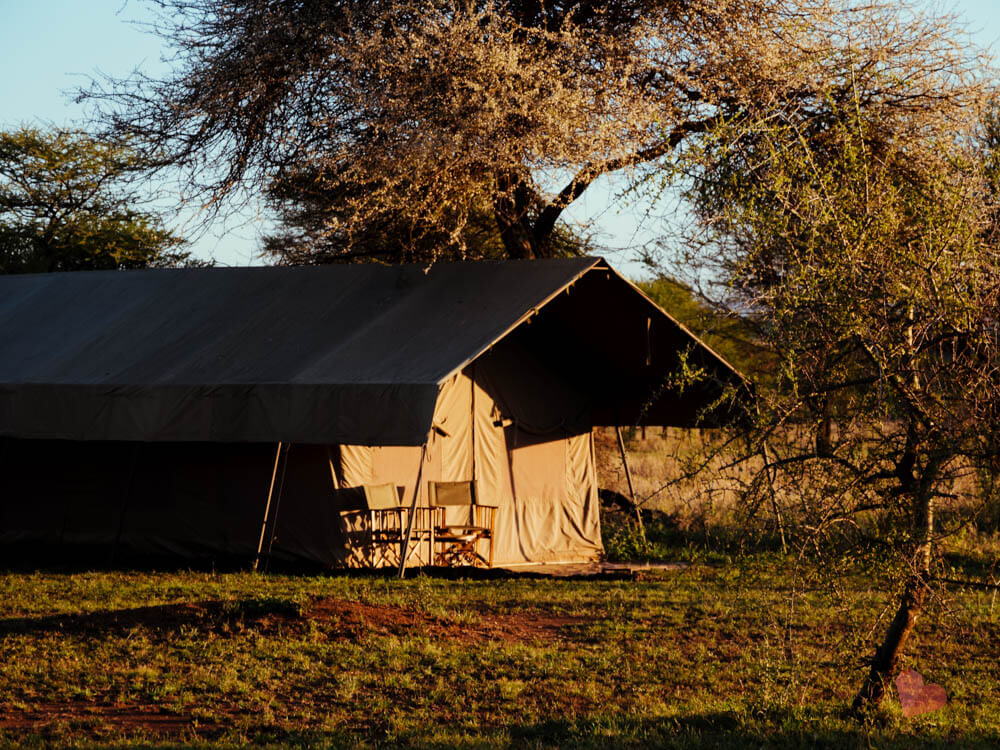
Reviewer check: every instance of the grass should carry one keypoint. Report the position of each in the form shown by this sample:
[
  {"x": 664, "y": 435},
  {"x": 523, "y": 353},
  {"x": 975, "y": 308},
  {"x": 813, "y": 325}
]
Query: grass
[{"x": 755, "y": 653}]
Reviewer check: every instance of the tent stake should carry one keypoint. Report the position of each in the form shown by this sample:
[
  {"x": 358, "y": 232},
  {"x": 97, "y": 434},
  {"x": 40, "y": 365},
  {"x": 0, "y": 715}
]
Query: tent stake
[
  {"x": 628, "y": 478},
  {"x": 405, "y": 548},
  {"x": 267, "y": 507}
]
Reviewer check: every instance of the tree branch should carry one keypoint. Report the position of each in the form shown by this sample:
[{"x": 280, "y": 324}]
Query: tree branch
[{"x": 547, "y": 219}]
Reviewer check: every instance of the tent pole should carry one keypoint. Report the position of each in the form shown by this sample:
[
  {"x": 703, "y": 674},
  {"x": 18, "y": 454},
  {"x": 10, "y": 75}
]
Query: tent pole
[
  {"x": 405, "y": 547},
  {"x": 472, "y": 385},
  {"x": 333, "y": 470},
  {"x": 267, "y": 506},
  {"x": 475, "y": 487},
  {"x": 277, "y": 507},
  {"x": 774, "y": 499},
  {"x": 628, "y": 478}
]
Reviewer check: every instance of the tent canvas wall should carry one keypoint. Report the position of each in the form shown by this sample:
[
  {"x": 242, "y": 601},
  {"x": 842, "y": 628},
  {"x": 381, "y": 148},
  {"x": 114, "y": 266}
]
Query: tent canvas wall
[{"x": 140, "y": 411}]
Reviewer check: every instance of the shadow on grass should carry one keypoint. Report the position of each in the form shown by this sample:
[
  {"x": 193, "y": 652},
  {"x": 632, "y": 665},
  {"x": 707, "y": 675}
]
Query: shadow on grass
[
  {"x": 812, "y": 729},
  {"x": 977, "y": 568},
  {"x": 204, "y": 616},
  {"x": 623, "y": 573},
  {"x": 85, "y": 559},
  {"x": 818, "y": 727},
  {"x": 777, "y": 728}
]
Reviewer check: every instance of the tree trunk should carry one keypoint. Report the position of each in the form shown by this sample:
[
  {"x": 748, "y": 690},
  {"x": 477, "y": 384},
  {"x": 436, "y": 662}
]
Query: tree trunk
[
  {"x": 510, "y": 207},
  {"x": 824, "y": 433},
  {"x": 516, "y": 239},
  {"x": 886, "y": 659}
]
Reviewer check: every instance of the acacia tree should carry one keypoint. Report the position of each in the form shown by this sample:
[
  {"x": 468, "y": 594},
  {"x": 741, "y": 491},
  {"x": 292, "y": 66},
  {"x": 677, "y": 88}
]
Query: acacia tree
[
  {"x": 430, "y": 115},
  {"x": 861, "y": 244},
  {"x": 66, "y": 205}
]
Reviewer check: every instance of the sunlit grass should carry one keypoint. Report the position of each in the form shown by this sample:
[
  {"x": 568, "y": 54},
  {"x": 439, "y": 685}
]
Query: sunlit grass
[{"x": 738, "y": 655}]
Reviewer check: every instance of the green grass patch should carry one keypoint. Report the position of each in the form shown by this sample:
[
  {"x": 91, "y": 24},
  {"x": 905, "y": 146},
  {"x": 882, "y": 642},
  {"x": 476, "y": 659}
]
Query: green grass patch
[{"x": 758, "y": 653}]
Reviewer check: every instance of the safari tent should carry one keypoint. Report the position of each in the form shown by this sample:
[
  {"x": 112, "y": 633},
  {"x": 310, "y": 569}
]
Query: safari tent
[{"x": 193, "y": 412}]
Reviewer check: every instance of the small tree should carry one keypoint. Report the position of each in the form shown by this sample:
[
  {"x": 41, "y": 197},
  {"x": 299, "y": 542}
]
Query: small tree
[
  {"x": 66, "y": 204},
  {"x": 861, "y": 246}
]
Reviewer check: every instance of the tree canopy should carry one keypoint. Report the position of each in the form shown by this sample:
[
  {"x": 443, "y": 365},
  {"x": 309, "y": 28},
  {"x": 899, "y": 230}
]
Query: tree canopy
[
  {"x": 430, "y": 115},
  {"x": 66, "y": 205},
  {"x": 861, "y": 245},
  {"x": 315, "y": 226}
]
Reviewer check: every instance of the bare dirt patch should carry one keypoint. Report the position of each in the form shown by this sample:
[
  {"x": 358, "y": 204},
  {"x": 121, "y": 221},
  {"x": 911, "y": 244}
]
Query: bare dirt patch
[
  {"x": 337, "y": 618},
  {"x": 347, "y": 619}
]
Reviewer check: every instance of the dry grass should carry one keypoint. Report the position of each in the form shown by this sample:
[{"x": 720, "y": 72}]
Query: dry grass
[
  {"x": 662, "y": 460},
  {"x": 702, "y": 484}
]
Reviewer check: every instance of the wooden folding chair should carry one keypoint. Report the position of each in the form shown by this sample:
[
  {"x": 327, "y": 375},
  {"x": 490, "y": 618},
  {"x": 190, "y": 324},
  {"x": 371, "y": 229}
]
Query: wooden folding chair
[
  {"x": 458, "y": 543},
  {"x": 386, "y": 522}
]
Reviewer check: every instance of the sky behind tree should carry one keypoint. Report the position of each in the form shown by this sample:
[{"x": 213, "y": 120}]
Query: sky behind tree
[{"x": 53, "y": 47}]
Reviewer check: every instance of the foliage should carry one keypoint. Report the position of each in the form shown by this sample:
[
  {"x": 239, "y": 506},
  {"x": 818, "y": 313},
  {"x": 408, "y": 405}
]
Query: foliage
[
  {"x": 418, "y": 116},
  {"x": 701, "y": 657},
  {"x": 860, "y": 244},
  {"x": 625, "y": 542},
  {"x": 724, "y": 331},
  {"x": 66, "y": 205},
  {"x": 316, "y": 227}
]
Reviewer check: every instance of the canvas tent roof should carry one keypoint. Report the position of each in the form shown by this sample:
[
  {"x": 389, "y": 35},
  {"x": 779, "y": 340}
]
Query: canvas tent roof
[{"x": 333, "y": 354}]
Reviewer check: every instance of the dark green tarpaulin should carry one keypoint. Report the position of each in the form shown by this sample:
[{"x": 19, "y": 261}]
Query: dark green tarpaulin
[{"x": 334, "y": 354}]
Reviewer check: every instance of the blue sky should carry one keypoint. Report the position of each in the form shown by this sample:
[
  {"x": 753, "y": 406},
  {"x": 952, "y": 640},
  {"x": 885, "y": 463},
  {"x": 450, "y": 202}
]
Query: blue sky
[{"x": 51, "y": 47}]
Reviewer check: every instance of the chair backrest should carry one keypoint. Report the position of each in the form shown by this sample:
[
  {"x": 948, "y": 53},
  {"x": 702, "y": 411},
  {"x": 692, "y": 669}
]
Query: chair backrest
[
  {"x": 451, "y": 493},
  {"x": 381, "y": 496}
]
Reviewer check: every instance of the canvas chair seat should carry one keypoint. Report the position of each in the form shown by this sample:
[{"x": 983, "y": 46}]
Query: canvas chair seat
[{"x": 457, "y": 543}]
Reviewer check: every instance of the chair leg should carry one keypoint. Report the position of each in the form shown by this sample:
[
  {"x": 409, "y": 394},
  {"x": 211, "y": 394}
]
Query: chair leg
[{"x": 430, "y": 545}]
